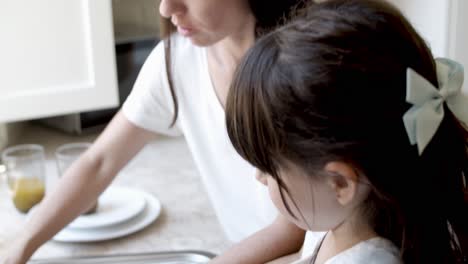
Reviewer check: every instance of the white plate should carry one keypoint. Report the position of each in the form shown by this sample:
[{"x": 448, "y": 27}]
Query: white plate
[
  {"x": 142, "y": 220},
  {"x": 115, "y": 205}
]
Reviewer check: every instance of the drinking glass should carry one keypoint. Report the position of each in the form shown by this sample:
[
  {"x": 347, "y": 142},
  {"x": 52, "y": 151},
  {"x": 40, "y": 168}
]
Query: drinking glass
[
  {"x": 25, "y": 174},
  {"x": 68, "y": 153}
]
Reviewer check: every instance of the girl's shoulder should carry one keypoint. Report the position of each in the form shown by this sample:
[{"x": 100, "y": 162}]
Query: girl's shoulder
[{"x": 377, "y": 250}]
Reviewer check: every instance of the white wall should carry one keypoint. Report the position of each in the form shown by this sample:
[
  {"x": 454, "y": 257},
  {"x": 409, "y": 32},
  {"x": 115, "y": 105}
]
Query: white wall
[
  {"x": 442, "y": 23},
  {"x": 431, "y": 19},
  {"x": 458, "y": 48}
]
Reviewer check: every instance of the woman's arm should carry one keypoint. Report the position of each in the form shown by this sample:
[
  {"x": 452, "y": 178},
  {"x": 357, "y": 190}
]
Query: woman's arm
[
  {"x": 276, "y": 240},
  {"x": 81, "y": 185}
]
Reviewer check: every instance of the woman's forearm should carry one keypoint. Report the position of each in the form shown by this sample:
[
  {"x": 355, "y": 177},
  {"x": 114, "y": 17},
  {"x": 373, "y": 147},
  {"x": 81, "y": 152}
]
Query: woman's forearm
[
  {"x": 81, "y": 184},
  {"x": 79, "y": 187}
]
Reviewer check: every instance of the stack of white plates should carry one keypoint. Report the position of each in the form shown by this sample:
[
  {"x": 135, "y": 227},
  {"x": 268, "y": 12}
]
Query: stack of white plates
[{"x": 121, "y": 211}]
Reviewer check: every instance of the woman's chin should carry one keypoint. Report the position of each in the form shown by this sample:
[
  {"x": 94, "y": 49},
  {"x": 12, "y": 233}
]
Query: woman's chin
[{"x": 200, "y": 42}]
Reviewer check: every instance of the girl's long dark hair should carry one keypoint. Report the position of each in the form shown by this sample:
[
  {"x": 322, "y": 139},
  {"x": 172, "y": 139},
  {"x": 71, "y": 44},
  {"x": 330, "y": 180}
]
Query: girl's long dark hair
[
  {"x": 268, "y": 14},
  {"x": 331, "y": 85}
]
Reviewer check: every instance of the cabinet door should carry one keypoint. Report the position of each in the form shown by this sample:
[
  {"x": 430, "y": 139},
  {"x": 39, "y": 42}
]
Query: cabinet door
[
  {"x": 56, "y": 57},
  {"x": 442, "y": 24}
]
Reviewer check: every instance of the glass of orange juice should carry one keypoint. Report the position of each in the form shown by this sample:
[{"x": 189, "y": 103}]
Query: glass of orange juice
[{"x": 25, "y": 174}]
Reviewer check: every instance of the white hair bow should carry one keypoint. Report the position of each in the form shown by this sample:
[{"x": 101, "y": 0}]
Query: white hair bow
[{"x": 425, "y": 116}]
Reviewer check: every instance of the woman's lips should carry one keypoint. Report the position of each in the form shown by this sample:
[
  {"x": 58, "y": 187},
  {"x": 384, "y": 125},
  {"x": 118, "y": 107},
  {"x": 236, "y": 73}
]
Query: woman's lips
[{"x": 184, "y": 31}]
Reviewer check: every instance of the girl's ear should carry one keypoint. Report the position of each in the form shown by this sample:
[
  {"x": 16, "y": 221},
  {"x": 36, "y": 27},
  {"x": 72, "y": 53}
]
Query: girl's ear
[{"x": 343, "y": 181}]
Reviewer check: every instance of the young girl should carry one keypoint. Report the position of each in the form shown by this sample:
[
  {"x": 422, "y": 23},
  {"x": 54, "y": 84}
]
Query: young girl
[
  {"x": 358, "y": 133},
  {"x": 212, "y": 37}
]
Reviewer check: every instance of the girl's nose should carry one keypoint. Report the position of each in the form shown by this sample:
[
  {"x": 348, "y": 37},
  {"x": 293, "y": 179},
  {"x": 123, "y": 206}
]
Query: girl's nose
[
  {"x": 168, "y": 8},
  {"x": 261, "y": 177}
]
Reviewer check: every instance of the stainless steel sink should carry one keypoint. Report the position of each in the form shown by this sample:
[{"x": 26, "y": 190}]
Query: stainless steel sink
[{"x": 171, "y": 257}]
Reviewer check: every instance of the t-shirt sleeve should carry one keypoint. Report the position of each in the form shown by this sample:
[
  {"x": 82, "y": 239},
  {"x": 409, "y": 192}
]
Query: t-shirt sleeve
[{"x": 150, "y": 104}]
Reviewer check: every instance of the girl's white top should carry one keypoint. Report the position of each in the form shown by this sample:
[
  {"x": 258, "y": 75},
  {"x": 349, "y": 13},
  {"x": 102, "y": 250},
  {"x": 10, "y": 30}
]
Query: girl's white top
[
  {"x": 376, "y": 250},
  {"x": 240, "y": 201}
]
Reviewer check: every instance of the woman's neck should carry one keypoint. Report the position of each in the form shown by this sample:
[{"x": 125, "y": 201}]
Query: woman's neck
[
  {"x": 225, "y": 55},
  {"x": 346, "y": 235},
  {"x": 230, "y": 50}
]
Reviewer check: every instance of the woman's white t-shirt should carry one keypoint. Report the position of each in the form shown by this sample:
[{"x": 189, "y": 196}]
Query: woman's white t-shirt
[{"x": 241, "y": 203}]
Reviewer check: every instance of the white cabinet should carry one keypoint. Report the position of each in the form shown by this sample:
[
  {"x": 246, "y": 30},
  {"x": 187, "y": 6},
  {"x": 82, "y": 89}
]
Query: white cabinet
[
  {"x": 56, "y": 57},
  {"x": 443, "y": 23}
]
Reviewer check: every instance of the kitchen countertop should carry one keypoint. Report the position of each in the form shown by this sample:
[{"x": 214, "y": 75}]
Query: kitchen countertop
[{"x": 164, "y": 168}]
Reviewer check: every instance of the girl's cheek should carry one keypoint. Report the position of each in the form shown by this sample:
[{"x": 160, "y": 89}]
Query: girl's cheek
[
  {"x": 276, "y": 196},
  {"x": 263, "y": 179}
]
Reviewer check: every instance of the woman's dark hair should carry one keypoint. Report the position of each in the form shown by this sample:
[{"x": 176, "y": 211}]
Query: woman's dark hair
[
  {"x": 268, "y": 14},
  {"x": 331, "y": 86}
]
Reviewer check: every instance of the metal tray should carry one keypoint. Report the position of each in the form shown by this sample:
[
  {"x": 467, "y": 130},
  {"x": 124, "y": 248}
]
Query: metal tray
[{"x": 170, "y": 257}]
